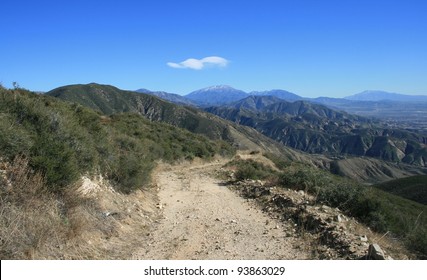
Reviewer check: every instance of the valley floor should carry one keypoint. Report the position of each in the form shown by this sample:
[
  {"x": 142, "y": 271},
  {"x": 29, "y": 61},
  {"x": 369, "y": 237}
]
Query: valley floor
[{"x": 202, "y": 219}]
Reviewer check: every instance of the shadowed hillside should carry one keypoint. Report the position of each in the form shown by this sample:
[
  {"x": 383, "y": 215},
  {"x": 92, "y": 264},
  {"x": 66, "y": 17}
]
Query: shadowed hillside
[
  {"x": 413, "y": 188},
  {"x": 318, "y": 129}
]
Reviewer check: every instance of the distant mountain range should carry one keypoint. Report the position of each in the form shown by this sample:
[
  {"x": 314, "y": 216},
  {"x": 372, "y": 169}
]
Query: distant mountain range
[
  {"x": 219, "y": 95},
  {"x": 223, "y": 94},
  {"x": 279, "y": 93},
  {"x": 411, "y": 109},
  {"x": 216, "y": 95},
  {"x": 172, "y": 97},
  {"x": 377, "y": 95}
]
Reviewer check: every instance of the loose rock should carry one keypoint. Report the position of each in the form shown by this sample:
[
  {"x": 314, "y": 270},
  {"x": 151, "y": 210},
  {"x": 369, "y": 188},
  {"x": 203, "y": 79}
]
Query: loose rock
[{"x": 375, "y": 252}]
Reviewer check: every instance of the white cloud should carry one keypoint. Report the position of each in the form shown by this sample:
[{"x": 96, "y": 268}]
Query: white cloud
[{"x": 199, "y": 64}]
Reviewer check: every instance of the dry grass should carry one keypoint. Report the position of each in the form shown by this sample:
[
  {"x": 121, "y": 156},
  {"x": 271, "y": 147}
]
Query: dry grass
[
  {"x": 29, "y": 216},
  {"x": 35, "y": 224}
]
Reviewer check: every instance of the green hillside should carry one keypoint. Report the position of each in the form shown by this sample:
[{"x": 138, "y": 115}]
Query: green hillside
[
  {"x": 110, "y": 100},
  {"x": 64, "y": 140},
  {"x": 413, "y": 188},
  {"x": 404, "y": 218}
]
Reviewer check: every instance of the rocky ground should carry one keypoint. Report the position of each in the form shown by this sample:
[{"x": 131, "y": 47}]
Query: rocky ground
[
  {"x": 204, "y": 217},
  {"x": 326, "y": 231}
]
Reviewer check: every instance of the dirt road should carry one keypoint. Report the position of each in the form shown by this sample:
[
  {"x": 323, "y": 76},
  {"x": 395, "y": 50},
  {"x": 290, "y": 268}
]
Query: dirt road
[{"x": 202, "y": 219}]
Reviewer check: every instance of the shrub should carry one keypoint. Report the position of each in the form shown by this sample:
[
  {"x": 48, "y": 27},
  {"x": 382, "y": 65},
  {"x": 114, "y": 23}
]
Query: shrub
[
  {"x": 13, "y": 139},
  {"x": 334, "y": 191},
  {"x": 305, "y": 178},
  {"x": 250, "y": 169},
  {"x": 55, "y": 160},
  {"x": 280, "y": 162},
  {"x": 416, "y": 240}
]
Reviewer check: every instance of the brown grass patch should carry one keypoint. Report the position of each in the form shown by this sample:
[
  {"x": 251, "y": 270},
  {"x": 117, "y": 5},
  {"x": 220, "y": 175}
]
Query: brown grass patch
[
  {"x": 82, "y": 222},
  {"x": 30, "y": 221}
]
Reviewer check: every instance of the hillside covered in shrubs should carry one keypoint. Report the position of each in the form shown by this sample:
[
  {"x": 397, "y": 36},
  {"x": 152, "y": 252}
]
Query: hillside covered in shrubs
[{"x": 63, "y": 141}]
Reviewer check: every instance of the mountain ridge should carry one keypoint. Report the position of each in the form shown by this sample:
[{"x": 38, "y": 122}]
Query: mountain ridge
[
  {"x": 279, "y": 93},
  {"x": 379, "y": 95},
  {"x": 216, "y": 95},
  {"x": 315, "y": 128},
  {"x": 172, "y": 97},
  {"x": 407, "y": 110}
]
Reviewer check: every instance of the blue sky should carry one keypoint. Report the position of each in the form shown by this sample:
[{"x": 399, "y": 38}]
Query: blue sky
[{"x": 312, "y": 48}]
